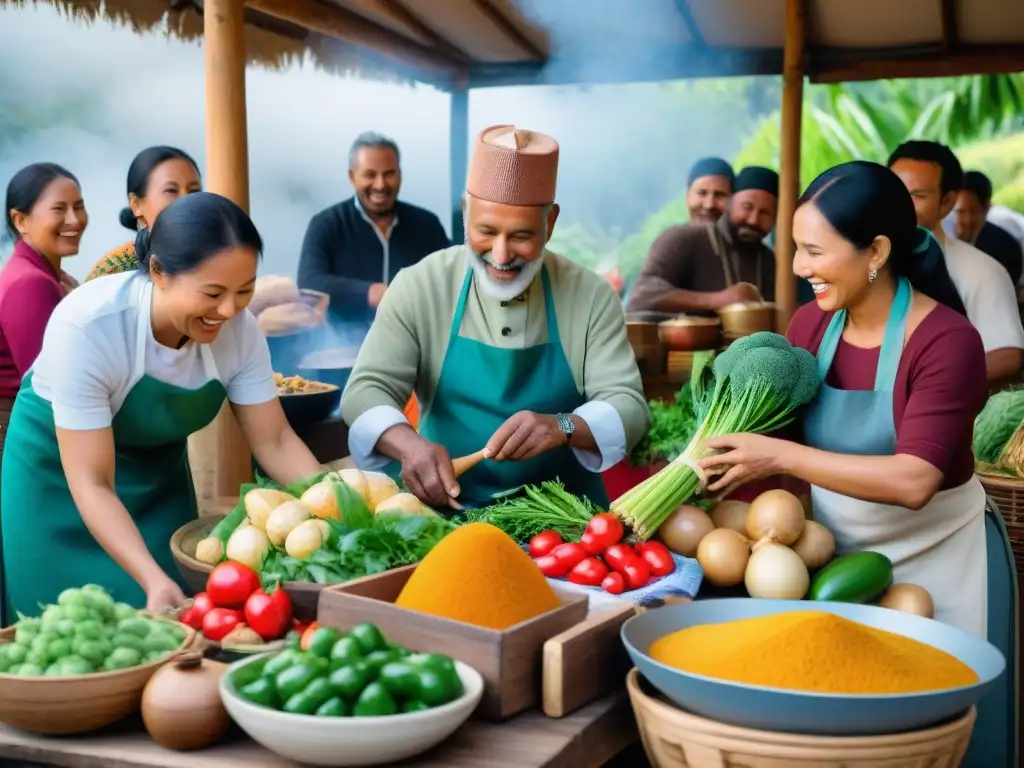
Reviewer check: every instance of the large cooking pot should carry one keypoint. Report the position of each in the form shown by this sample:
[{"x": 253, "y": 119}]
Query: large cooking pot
[
  {"x": 642, "y": 331},
  {"x": 747, "y": 317}
]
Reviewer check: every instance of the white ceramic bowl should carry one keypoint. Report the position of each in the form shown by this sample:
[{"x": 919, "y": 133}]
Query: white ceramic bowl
[{"x": 351, "y": 741}]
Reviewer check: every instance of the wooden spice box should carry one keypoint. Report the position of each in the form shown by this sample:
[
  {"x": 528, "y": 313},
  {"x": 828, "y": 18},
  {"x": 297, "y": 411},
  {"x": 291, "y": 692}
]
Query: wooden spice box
[{"x": 510, "y": 661}]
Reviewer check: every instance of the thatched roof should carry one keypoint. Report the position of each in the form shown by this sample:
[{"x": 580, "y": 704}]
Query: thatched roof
[{"x": 509, "y": 42}]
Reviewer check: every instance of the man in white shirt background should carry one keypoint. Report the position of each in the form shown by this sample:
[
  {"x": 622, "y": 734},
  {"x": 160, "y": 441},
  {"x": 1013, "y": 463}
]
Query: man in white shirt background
[{"x": 933, "y": 176}]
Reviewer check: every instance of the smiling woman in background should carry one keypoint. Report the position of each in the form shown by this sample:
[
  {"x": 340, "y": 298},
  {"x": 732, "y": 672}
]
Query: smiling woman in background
[
  {"x": 130, "y": 367},
  {"x": 156, "y": 178}
]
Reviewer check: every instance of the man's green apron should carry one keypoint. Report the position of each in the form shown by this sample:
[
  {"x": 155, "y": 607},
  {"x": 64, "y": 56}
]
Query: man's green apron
[
  {"x": 481, "y": 386},
  {"x": 46, "y": 546}
]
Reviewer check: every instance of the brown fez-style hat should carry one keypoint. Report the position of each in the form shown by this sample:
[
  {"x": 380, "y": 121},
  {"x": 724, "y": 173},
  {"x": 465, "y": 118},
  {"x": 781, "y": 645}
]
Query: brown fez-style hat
[{"x": 513, "y": 167}]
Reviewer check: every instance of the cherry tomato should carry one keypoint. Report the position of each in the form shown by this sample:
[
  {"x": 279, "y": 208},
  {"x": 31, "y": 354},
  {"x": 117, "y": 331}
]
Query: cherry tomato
[
  {"x": 636, "y": 573},
  {"x": 618, "y": 555},
  {"x": 657, "y": 557},
  {"x": 570, "y": 555},
  {"x": 604, "y": 530},
  {"x": 543, "y": 543},
  {"x": 307, "y": 635},
  {"x": 230, "y": 584},
  {"x": 589, "y": 572},
  {"x": 613, "y": 583},
  {"x": 193, "y": 616},
  {"x": 552, "y": 567},
  {"x": 220, "y": 621},
  {"x": 269, "y": 616}
]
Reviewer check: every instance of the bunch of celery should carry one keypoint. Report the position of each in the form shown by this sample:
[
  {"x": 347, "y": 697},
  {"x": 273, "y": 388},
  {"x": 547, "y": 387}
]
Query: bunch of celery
[{"x": 756, "y": 385}]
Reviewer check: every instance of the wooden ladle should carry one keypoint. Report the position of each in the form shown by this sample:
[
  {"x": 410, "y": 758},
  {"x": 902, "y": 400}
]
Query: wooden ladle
[{"x": 462, "y": 465}]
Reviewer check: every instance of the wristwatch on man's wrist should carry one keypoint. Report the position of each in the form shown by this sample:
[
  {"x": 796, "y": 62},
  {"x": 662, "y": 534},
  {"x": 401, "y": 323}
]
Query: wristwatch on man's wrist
[{"x": 566, "y": 424}]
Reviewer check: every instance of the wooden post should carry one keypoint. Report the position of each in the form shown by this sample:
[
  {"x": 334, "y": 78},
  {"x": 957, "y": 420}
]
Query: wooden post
[
  {"x": 789, "y": 158},
  {"x": 458, "y": 155},
  {"x": 220, "y": 455}
]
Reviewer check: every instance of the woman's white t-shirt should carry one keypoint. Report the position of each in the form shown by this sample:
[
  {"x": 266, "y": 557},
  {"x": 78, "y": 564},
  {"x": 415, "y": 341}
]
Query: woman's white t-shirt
[{"x": 87, "y": 366}]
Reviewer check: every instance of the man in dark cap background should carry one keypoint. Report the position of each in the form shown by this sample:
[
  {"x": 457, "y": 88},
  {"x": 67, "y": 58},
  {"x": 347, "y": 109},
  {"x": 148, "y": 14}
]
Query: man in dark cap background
[
  {"x": 708, "y": 190},
  {"x": 700, "y": 268},
  {"x": 971, "y": 225}
]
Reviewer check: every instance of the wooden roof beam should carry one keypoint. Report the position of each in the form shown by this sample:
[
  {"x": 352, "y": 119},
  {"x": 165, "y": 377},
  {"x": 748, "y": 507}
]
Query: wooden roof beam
[
  {"x": 334, "y": 21},
  {"x": 683, "y": 9},
  {"x": 950, "y": 30},
  {"x": 969, "y": 60},
  {"x": 397, "y": 10},
  {"x": 511, "y": 32}
]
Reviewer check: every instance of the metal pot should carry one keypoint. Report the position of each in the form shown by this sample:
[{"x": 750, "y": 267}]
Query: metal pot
[
  {"x": 745, "y": 318},
  {"x": 687, "y": 334}
]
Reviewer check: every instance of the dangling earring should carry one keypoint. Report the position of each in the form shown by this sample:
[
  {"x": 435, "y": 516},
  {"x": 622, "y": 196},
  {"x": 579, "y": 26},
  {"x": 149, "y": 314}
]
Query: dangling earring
[{"x": 872, "y": 275}]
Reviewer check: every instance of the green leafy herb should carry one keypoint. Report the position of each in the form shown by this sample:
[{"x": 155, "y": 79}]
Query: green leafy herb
[
  {"x": 547, "y": 507},
  {"x": 672, "y": 426}
]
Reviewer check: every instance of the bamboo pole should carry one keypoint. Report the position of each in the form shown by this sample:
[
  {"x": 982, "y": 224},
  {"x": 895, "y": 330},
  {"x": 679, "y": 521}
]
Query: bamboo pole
[
  {"x": 220, "y": 454},
  {"x": 789, "y": 158}
]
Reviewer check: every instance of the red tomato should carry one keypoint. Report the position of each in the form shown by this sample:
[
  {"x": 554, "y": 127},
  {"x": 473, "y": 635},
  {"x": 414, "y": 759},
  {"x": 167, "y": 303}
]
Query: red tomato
[
  {"x": 570, "y": 555},
  {"x": 269, "y": 616},
  {"x": 614, "y": 584},
  {"x": 219, "y": 622},
  {"x": 230, "y": 584},
  {"x": 193, "y": 617},
  {"x": 618, "y": 555},
  {"x": 658, "y": 558},
  {"x": 589, "y": 572},
  {"x": 552, "y": 567},
  {"x": 543, "y": 543},
  {"x": 636, "y": 574},
  {"x": 307, "y": 635},
  {"x": 604, "y": 530}
]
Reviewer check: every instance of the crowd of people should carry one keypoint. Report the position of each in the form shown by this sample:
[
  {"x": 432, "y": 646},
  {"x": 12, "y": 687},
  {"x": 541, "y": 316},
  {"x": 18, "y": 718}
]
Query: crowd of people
[{"x": 509, "y": 349}]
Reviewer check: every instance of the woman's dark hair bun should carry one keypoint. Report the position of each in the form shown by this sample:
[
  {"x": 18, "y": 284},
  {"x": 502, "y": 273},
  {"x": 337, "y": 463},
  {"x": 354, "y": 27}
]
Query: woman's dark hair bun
[
  {"x": 142, "y": 246},
  {"x": 128, "y": 220}
]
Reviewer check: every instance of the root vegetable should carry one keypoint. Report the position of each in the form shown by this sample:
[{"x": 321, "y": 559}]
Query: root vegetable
[
  {"x": 322, "y": 500},
  {"x": 379, "y": 488},
  {"x": 731, "y": 514},
  {"x": 210, "y": 551},
  {"x": 260, "y": 502},
  {"x": 248, "y": 546},
  {"x": 405, "y": 503},
  {"x": 356, "y": 480},
  {"x": 777, "y": 515},
  {"x": 908, "y": 598},
  {"x": 816, "y": 546},
  {"x": 723, "y": 555},
  {"x": 684, "y": 530},
  {"x": 776, "y": 572},
  {"x": 306, "y": 538},
  {"x": 283, "y": 519}
]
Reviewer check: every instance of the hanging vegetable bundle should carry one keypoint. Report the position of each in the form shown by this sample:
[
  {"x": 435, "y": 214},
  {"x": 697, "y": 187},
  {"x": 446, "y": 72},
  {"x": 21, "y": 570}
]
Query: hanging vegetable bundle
[
  {"x": 998, "y": 433},
  {"x": 756, "y": 385}
]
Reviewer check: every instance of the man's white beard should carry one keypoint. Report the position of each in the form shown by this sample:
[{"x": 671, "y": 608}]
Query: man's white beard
[{"x": 504, "y": 290}]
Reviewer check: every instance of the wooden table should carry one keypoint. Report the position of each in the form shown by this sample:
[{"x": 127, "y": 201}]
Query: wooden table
[{"x": 588, "y": 738}]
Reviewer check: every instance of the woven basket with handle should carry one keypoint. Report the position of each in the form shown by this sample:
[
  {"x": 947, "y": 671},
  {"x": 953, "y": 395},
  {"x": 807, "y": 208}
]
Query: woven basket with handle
[{"x": 1007, "y": 492}]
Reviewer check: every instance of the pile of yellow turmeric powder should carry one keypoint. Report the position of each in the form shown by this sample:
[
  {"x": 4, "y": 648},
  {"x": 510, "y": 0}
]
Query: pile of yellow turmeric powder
[
  {"x": 811, "y": 651},
  {"x": 477, "y": 574}
]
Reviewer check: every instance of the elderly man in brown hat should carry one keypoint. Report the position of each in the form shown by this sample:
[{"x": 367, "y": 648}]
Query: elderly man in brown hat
[{"x": 510, "y": 349}]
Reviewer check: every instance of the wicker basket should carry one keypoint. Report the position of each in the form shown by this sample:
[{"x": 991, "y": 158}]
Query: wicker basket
[
  {"x": 673, "y": 738},
  {"x": 1008, "y": 494}
]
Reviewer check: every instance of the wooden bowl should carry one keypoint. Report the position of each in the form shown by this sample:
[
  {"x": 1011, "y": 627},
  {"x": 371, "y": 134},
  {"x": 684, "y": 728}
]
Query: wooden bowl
[
  {"x": 67, "y": 705},
  {"x": 195, "y": 572},
  {"x": 744, "y": 319},
  {"x": 674, "y": 738},
  {"x": 687, "y": 334}
]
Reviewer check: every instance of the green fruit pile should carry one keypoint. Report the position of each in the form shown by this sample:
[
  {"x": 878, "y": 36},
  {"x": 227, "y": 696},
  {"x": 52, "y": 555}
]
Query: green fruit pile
[
  {"x": 353, "y": 674},
  {"x": 87, "y": 632}
]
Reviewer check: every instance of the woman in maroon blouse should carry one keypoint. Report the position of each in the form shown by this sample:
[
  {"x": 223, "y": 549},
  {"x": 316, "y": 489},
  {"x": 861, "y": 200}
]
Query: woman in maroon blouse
[
  {"x": 46, "y": 218},
  {"x": 887, "y": 443}
]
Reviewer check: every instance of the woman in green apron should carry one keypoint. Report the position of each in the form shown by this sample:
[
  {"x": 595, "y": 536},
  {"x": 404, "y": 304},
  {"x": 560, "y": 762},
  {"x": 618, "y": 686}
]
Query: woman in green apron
[
  {"x": 95, "y": 473},
  {"x": 887, "y": 443}
]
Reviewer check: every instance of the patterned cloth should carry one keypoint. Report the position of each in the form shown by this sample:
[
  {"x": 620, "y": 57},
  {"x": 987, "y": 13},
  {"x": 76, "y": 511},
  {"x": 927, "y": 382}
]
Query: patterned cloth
[{"x": 121, "y": 259}]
